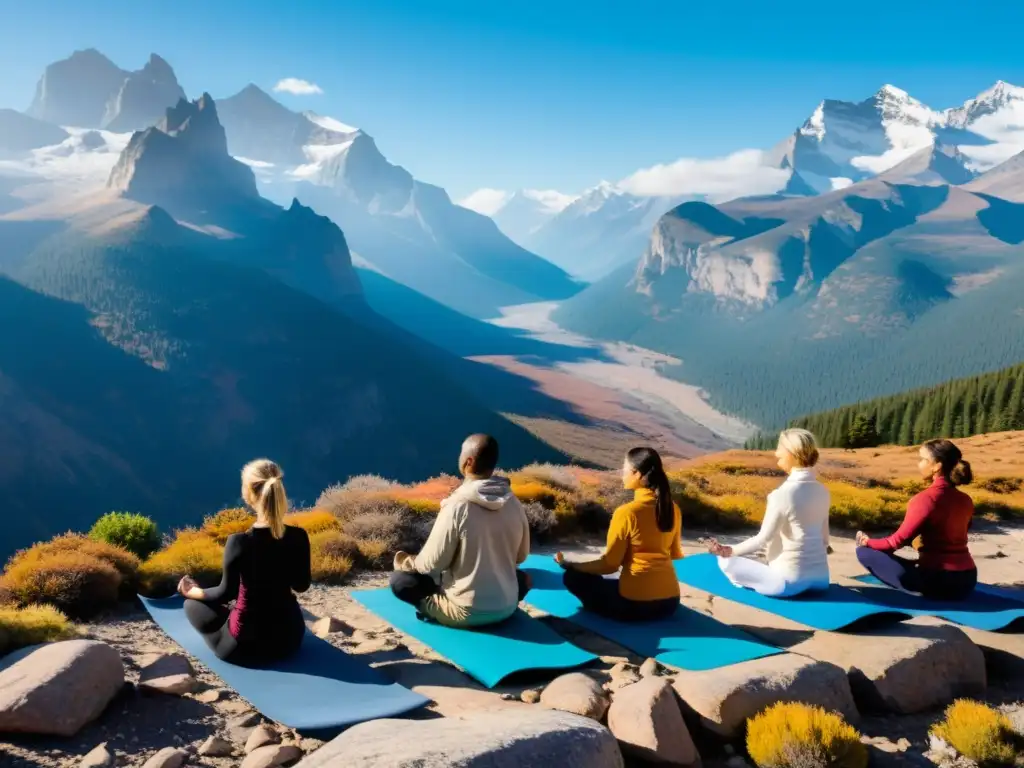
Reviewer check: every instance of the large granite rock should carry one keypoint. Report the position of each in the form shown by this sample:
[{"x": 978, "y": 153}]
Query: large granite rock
[
  {"x": 576, "y": 693},
  {"x": 57, "y": 688},
  {"x": 724, "y": 698},
  {"x": 646, "y": 719},
  {"x": 509, "y": 739},
  {"x": 905, "y": 667}
]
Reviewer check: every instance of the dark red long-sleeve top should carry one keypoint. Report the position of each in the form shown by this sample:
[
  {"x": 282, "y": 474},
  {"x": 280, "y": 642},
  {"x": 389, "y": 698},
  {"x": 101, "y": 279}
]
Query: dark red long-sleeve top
[{"x": 941, "y": 515}]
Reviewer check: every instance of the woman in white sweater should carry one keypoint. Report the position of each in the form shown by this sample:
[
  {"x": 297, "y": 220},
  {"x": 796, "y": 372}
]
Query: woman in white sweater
[{"x": 794, "y": 531}]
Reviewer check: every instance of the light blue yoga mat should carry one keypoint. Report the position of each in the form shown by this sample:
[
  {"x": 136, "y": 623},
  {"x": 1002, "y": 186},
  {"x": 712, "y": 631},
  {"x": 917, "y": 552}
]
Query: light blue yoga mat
[
  {"x": 489, "y": 654},
  {"x": 320, "y": 688},
  {"x": 833, "y": 609},
  {"x": 989, "y": 608},
  {"x": 688, "y": 640}
]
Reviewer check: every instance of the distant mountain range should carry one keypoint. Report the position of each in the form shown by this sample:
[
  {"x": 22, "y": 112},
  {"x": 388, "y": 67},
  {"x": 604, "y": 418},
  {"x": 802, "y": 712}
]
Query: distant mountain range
[
  {"x": 840, "y": 144},
  {"x": 780, "y": 306},
  {"x": 169, "y": 323}
]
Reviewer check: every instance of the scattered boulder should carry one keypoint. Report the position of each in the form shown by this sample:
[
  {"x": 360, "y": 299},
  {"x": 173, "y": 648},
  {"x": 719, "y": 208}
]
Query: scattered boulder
[
  {"x": 906, "y": 667},
  {"x": 622, "y": 674},
  {"x": 240, "y": 728},
  {"x": 233, "y": 707},
  {"x": 99, "y": 757},
  {"x": 57, "y": 688},
  {"x": 530, "y": 696},
  {"x": 261, "y": 736},
  {"x": 646, "y": 720},
  {"x": 169, "y": 673},
  {"x": 726, "y": 697},
  {"x": 650, "y": 668},
  {"x": 507, "y": 739},
  {"x": 329, "y": 625},
  {"x": 215, "y": 746},
  {"x": 209, "y": 696},
  {"x": 272, "y": 756},
  {"x": 168, "y": 757},
  {"x": 576, "y": 693}
]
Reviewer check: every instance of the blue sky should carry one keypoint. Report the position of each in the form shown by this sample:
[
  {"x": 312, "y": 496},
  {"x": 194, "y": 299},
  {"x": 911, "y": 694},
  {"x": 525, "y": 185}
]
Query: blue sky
[{"x": 548, "y": 94}]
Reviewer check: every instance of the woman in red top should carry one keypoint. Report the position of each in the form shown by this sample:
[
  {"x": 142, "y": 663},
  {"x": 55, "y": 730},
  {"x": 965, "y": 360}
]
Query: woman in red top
[{"x": 940, "y": 515}]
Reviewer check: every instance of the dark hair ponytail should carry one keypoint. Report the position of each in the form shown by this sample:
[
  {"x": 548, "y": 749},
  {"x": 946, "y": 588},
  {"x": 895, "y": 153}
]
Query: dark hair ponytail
[
  {"x": 647, "y": 462},
  {"x": 954, "y": 468}
]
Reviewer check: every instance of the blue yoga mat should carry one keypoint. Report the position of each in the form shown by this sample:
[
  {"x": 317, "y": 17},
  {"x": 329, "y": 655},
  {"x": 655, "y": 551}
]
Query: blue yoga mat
[
  {"x": 989, "y": 608},
  {"x": 320, "y": 688},
  {"x": 833, "y": 609},
  {"x": 489, "y": 654},
  {"x": 688, "y": 640}
]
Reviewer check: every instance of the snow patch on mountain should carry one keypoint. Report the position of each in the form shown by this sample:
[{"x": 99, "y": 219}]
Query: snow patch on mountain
[
  {"x": 85, "y": 157},
  {"x": 329, "y": 123},
  {"x": 318, "y": 156}
]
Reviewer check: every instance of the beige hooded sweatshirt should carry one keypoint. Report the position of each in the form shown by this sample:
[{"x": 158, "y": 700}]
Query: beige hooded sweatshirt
[{"x": 480, "y": 536}]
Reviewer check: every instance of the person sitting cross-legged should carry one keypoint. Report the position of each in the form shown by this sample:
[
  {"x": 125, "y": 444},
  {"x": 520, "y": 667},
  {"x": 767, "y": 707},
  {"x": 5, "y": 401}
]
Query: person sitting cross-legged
[
  {"x": 643, "y": 540},
  {"x": 794, "y": 532},
  {"x": 466, "y": 574}
]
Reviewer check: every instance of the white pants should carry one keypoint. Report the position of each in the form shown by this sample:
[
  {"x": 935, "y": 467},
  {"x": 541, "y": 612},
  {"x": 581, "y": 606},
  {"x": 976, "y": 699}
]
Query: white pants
[{"x": 764, "y": 579}]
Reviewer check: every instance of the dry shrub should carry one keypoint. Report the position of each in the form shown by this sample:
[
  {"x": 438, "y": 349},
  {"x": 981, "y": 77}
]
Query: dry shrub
[
  {"x": 795, "y": 735},
  {"x": 373, "y": 517},
  {"x": 375, "y": 553},
  {"x": 77, "y": 583},
  {"x": 192, "y": 552},
  {"x": 542, "y": 520},
  {"x": 313, "y": 521},
  {"x": 32, "y": 625},
  {"x": 559, "y": 478},
  {"x": 123, "y": 561},
  {"x": 427, "y": 507},
  {"x": 331, "y": 556},
  {"x": 435, "y": 489},
  {"x": 369, "y": 484},
  {"x": 531, "y": 491},
  {"x": 228, "y": 522},
  {"x": 1000, "y": 484},
  {"x": 978, "y": 732}
]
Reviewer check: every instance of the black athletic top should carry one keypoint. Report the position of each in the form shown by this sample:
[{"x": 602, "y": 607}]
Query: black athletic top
[{"x": 260, "y": 573}]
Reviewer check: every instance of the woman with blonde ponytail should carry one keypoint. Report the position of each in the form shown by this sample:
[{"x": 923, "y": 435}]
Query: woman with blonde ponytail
[{"x": 263, "y": 567}]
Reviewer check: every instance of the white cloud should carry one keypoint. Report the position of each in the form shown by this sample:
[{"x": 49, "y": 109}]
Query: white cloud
[
  {"x": 722, "y": 178},
  {"x": 297, "y": 87},
  {"x": 486, "y": 201}
]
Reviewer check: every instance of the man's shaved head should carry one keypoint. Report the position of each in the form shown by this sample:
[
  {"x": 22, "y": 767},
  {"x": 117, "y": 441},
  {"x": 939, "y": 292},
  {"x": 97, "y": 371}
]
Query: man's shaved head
[{"x": 479, "y": 455}]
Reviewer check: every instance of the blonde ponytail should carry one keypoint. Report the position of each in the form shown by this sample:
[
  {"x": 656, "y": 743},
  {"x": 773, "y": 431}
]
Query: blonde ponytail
[{"x": 263, "y": 490}]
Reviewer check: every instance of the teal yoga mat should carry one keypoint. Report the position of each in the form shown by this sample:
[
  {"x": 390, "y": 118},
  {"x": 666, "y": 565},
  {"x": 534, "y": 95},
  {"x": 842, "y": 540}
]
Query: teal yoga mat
[
  {"x": 688, "y": 640},
  {"x": 989, "y": 608},
  {"x": 833, "y": 609},
  {"x": 839, "y": 606},
  {"x": 319, "y": 689},
  {"x": 489, "y": 654}
]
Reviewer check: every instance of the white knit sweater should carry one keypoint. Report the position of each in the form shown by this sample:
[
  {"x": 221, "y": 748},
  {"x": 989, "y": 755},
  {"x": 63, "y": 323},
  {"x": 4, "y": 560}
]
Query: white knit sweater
[{"x": 795, "y": 529}]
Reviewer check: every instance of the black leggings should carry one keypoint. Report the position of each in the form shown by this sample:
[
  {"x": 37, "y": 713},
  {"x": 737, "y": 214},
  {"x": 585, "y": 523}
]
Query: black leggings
[
  {"x": 900, "y": 573},
  {"x": 601, "y": 596},
  {"x": 414, "y": 588},
  {"x": 211, "y": 621}
]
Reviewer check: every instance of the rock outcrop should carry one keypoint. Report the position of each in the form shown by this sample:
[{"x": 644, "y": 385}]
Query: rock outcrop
[
  {"x": 508, "y": 739},
  {"x": 59, "y": 687}
]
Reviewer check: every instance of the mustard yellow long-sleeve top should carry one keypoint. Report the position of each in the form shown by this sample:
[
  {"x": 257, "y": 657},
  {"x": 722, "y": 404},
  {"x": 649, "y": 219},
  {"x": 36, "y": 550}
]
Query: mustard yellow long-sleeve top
[{"x": 641, "y": 550}]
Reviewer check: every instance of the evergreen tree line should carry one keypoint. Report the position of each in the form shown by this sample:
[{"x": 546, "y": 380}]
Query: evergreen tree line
[{"x": 991, "y": 402}]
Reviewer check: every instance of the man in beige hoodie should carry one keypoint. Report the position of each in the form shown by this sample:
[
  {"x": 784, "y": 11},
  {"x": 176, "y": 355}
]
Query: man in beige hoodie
[{"x": 466, "y": 574}]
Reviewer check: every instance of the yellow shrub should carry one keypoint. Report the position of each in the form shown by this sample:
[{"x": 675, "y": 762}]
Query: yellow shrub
[
  {"x": 422, "y": 506},
  {"x": 126, "y": 564},
  {"x": 78, "y": 584},
  {"x": 32, "y": 625},
  {"x": 192, "y": 552},
  {"x": 331, "y": 556},
  {"x": 790, "y": 733},
  {"x": 375, "y": 553},
  {"x": 978, "y": 732},
  {"x": 227, "y": 522},
  {"x": 529, "y": 491},
  {"x": 313, "y": 521}
]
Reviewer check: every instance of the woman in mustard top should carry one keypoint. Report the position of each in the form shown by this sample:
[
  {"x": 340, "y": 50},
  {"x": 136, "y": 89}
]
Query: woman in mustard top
[{"x": 643, "y": 540}]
